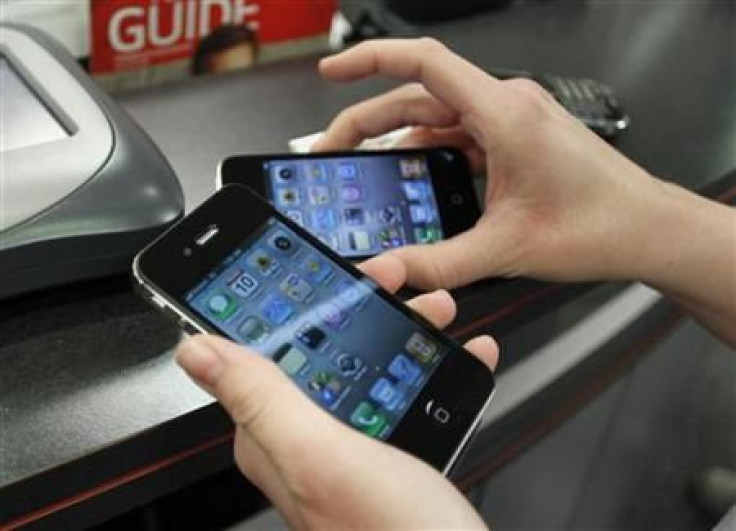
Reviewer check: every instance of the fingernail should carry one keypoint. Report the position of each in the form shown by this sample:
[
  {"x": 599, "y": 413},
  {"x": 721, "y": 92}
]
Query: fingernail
[
  {"x": 199, "y": 360},
  {"x": 442, "y": 292}
]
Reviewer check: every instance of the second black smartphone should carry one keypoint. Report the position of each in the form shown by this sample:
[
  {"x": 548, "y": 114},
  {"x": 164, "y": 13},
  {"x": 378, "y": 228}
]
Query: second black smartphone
[
  {"x": 361, "y": 203},
  {"x": 590, "y": 101},
  {"x": 237, "y": 267}
]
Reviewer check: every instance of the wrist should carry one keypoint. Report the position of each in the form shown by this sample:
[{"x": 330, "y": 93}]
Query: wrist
[
  {"x": 683, "y": 233},
  {"x": 658, "y": 210},
  {"x": 631, "y": 229}
]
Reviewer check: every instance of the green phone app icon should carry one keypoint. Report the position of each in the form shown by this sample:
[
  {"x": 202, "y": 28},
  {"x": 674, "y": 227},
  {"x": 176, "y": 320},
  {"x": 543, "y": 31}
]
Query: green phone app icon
[
  {"x": 222, "y": 305},
  {"x": 368, "y": 420},
  {"x": 427, "y": 234}
]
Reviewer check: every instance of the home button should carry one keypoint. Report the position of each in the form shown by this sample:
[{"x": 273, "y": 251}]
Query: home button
[{"x": 439, "y": 414}]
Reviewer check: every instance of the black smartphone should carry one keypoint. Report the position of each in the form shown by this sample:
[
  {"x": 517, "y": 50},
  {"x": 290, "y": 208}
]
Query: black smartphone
[
  {"x": 590, "y": 101},
  {"x": 238, "y": 268},
  {"x": 361, "y": 203}
]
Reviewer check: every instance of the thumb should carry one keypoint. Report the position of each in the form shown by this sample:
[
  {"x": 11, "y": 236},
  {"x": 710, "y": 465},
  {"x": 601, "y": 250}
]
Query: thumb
[
  {"x": 256, "y": 394},
  {"x": 448, "y": 263}
]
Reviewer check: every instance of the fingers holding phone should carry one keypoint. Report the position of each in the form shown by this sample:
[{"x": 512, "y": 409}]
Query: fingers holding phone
[
  {"x": 362, "y": 203},
  {"x": 316, "y": 471},
  {"x": 256, "y": 277},
  {"x": 560, "y": 203}
]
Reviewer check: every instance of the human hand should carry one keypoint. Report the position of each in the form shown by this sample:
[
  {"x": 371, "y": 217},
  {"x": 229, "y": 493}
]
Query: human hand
[
  {"x": 319, "y": 473},
  {"x": 560, "y": 203}
]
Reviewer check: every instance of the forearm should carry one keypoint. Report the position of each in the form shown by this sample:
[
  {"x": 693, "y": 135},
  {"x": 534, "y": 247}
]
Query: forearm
[{"x": 689, "y": 254}]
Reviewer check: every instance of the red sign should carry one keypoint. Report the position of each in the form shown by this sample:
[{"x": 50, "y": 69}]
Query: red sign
[{"x": 130, "y": 34}]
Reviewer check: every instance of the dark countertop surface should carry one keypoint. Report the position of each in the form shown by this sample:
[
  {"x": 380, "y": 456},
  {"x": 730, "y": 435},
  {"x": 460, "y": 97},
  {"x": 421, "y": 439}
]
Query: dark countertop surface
[
  {"x": 671, "y": 63},
  {"x": 87, "y": 368}
]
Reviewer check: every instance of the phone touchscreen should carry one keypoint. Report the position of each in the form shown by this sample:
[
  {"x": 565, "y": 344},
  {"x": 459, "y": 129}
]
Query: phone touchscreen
[
  {"x": 359, "y": 206},
  {"x": 348, "y": 348}
]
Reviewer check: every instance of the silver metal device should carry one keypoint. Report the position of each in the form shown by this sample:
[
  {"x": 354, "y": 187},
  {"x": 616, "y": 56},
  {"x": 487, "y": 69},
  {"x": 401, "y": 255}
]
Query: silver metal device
[{"x": 83, "y": 187}]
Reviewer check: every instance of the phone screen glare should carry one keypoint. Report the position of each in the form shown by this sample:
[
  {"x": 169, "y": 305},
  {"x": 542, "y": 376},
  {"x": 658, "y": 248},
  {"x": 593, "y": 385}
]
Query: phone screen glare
[
  {"x": 280, "y": 296},
  {"x": 359, "y": 206}
]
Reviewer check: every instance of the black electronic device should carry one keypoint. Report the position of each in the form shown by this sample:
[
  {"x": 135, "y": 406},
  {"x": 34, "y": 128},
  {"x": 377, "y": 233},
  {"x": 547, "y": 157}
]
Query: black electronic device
[
  {"x": 83, "y": 187},
  {"x": 239, "y": 268},
  {"x": 361, "y": 203},
  {"x": 428, "y": 11},
  {"x": 590, "y": 101}
]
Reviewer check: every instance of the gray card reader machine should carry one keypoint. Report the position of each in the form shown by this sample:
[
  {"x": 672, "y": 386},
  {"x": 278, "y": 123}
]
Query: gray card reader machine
[{"x": 82, "y": 187}]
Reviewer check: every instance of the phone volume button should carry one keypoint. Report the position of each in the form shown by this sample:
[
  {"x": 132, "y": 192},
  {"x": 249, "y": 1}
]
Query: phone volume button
[
  {"x": 188, "y": 327},
  {"x": 158, "y": 301}
]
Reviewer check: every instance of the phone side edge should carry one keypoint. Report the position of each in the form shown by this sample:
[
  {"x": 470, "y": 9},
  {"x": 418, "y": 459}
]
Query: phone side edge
[
  {"x": 159, "y": 300},
  {"x": 469, "y": 433}
]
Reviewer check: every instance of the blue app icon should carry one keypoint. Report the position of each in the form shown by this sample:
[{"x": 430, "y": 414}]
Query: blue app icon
[
  {"x": 413, "y": 191},
  {"x": 276, "y": 310},
  {"x": 347, "y": 170},
  {"x": 351, "y": 193},
  {"x": 328, "y": 396},
  {"x": 325, "y": 219},
  {"x": 420, "y": 213},
  {"x": 284, "y": 173},
  {"x": 386, "y": 394},
  {"x": 404, "y": 370}
]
